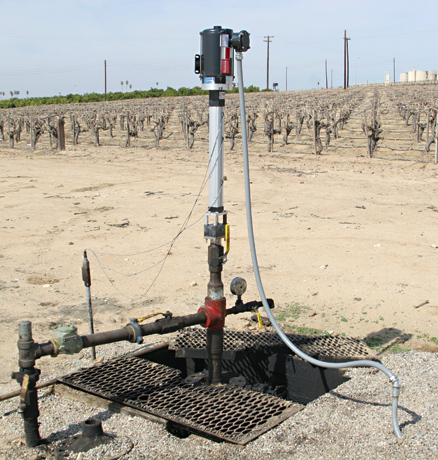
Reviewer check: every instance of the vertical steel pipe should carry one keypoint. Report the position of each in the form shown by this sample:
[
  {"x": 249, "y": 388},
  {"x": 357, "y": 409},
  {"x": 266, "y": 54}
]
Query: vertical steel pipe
[
  {"x": 27, "y": 376},
  {"x": 215, "y": 346}
]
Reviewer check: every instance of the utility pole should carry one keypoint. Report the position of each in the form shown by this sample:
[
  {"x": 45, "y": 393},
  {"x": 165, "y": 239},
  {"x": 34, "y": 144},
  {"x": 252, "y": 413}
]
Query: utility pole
[
  {"x": 346, "y": 61},
  {"x": 104, "y": 66},
  {"x": 326, "y": 77},
  {"x": 286, "y": 78},
  {"x": 355, "y": 78},
  {"x": 268, "y": 40},
  {"x": 393, "y": 62}
]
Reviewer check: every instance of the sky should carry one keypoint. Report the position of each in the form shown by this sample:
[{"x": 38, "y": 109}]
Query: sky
[{"x": 52, "y": 47}]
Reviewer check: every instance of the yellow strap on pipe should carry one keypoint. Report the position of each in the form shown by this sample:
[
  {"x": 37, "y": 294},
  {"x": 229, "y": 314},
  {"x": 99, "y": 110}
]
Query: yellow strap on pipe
[
  {"x": 227, "y": 238},
  {"x": 139, "y": 320}
]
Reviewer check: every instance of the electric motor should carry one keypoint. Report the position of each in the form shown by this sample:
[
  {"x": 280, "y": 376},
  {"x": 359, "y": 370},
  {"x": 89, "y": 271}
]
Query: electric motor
[{"x": 215, "y": 63}]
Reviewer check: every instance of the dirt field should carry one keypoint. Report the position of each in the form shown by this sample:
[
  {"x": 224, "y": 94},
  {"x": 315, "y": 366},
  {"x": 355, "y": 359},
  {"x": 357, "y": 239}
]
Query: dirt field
[{"x": 347, "y": 244}]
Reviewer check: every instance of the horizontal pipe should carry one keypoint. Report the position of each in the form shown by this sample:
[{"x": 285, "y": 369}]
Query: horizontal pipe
[
  {"x": 249, "y": 306},
  {"x": 101, "y": 338},
  {"x": 161, "y": 326},
  {"x": 15, "y": 393},
  {"x": 38, "y": 386}
]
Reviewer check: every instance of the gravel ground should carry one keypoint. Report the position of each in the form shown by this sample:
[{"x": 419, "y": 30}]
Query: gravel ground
[{"x": 351, "y": 422}]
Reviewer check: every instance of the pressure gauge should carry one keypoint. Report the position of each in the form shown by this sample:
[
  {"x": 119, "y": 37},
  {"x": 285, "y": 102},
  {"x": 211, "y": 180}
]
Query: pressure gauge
[{"x": 238, "y": 286}]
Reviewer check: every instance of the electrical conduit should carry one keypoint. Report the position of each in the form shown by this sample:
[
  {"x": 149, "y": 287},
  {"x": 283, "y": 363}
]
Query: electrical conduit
[{"x": 365, "y": 363}]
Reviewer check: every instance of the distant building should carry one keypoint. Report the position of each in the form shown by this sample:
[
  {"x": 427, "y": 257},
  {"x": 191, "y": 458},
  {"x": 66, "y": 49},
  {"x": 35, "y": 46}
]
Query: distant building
[
  {"x": 388, "y": 78},
  {"x": 418, "y": 76}
]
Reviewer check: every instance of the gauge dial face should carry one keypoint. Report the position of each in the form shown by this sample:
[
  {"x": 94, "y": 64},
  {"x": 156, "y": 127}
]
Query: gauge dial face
[{"x": 238, "y": 286}]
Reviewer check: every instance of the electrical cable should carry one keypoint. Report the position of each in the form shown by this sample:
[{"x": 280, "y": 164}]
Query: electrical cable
[
  {"x": 161, "y": 262},
  {"x": 316, "y": 362}
]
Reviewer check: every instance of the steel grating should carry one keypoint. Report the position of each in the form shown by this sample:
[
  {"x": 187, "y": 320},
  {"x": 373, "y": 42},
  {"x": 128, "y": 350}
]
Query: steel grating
[
  {"x": 193, "y": 341},
  {"x": 231, "y": 413},
  {"x": 234, "y": 413}
]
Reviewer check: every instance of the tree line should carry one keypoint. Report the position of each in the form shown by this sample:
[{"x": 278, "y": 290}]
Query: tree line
[{"x": 112, "y": 96}]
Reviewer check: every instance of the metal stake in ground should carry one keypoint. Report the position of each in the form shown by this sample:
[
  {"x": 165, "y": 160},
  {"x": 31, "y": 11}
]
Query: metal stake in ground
[{"x": 86, "y": 277}]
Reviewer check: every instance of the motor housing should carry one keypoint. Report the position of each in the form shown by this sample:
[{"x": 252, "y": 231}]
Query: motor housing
[{"x": 215, "y": 63}]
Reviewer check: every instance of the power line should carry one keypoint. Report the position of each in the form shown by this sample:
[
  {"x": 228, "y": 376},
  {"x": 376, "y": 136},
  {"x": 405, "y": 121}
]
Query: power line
[
  {"x": 51, "y": 70},
  {"x": 132, "y": 65},
  {"x": 322, "y": 39},
  {"x": 92, "y": 38},
  {"x": 162, "y": 65}
]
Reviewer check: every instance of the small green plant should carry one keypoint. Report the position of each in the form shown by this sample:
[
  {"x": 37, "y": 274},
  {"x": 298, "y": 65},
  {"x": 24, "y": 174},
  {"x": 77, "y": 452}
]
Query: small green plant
[
  {"x": 396, "y": 348},
  {"x": 427, "y": 338},
  {"x": 281, "y": 317},
  {"x": 345, "y": 320},
  {"x": 295, "y": 310},
  {"x": 308, "y": 330}
]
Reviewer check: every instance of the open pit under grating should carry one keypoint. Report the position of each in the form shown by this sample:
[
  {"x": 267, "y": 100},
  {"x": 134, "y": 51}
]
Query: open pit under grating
[{"x": 267, "y": 383}]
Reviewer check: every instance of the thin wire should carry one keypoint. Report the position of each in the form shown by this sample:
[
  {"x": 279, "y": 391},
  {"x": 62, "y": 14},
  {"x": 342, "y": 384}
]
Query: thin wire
[
  {"x": 102, "y": 264},
  {"x": 186, "y": 221},
  {"x": 172, "y": 242},
  {"x": 51, "y": 70}
]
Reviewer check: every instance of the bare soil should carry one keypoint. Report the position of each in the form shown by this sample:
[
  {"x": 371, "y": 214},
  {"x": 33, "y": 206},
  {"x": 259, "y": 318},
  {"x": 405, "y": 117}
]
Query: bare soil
[{"x": 346, "y": 244}]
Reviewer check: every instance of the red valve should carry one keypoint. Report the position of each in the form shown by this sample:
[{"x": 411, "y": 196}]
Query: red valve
[{"x": 215, "y": 311}]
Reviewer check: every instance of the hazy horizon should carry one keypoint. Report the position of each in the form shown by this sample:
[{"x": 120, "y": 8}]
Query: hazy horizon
[{"x": 58, "y": 47}]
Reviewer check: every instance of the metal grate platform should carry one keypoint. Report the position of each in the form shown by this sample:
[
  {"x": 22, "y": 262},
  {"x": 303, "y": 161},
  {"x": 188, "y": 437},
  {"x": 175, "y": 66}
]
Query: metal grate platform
[
  {"x": 193, "y": 342},
  {"x": 276, "y": 383},
  {"x": 229, "y": 413}
]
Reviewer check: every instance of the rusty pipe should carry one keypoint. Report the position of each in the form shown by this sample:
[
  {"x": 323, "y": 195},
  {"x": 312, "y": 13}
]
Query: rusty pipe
[
  {"x": 215, "y": 346},
  {"x": 28, "y": 377},
  {"x": 161, "y": 326}
]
